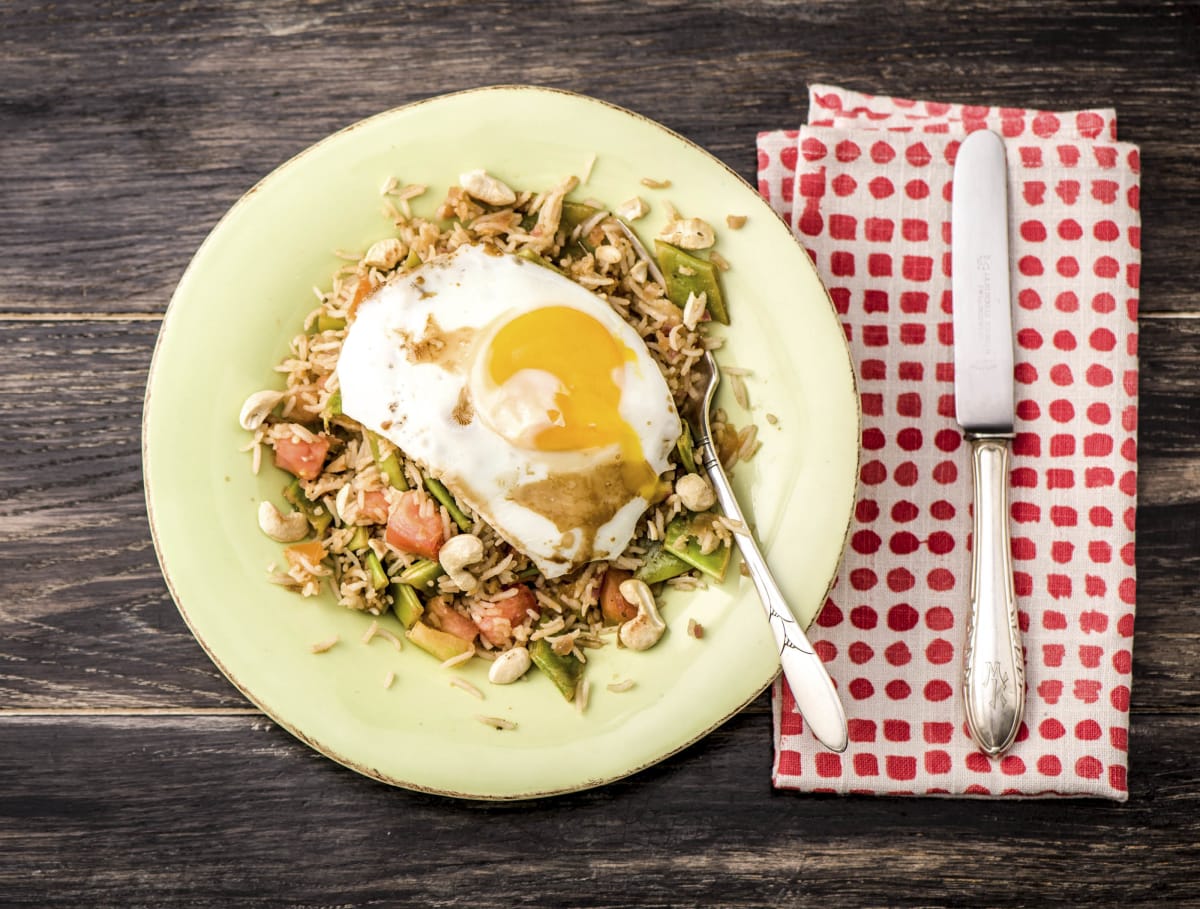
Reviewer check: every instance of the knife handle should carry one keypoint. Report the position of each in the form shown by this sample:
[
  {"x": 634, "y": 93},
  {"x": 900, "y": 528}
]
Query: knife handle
[{"x": 994, "y": 674}]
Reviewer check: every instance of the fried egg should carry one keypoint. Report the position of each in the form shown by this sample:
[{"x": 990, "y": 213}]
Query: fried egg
[{"x": 534, "y": 402}]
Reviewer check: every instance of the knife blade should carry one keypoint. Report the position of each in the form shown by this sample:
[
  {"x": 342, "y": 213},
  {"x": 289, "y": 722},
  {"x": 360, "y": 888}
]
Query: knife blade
[{"x": 993, "y": 661}]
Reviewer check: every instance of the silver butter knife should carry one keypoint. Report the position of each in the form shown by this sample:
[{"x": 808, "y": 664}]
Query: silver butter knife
[{"x": 994, "y": 666}]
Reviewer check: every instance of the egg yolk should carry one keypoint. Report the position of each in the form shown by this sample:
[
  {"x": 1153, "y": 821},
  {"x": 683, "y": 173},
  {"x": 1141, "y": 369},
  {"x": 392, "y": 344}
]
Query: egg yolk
[{"x": 586, "y": 363}]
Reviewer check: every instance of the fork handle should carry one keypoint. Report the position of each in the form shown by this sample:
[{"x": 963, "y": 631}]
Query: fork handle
[{"x": 812, "y": 688}]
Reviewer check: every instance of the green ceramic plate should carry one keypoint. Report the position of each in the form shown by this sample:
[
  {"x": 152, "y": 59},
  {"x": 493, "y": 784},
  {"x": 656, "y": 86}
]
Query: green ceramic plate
[{"x": 244, "y": 295}]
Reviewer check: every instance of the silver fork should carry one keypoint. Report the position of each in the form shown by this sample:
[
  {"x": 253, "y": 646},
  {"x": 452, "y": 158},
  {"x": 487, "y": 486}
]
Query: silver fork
[
  {"x": 812, "y": 688},
  {"x": 816, "y": 698}
]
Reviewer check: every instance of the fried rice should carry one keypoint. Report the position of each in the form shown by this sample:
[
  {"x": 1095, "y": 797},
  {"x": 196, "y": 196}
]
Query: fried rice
[{"x": 588, "y": 244}]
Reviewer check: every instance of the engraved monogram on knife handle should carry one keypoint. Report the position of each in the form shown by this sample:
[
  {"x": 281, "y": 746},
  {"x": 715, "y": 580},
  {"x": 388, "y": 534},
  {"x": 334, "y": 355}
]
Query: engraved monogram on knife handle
[{"x": 994, "y": 674}]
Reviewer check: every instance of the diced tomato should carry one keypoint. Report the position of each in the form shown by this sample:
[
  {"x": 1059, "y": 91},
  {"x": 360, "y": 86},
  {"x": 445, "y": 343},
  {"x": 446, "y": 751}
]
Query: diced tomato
[
  {"x": 304, "y": 459},
  {"x": 497, "y": 620},
  {"x": 615, "y": 608},
  {"x": 439, "y": 614},
  {"x": 496, "y": 628},
  {"x": 409, "y": 531},
  {"x": 518, "y": 607},
  {"x": 311, "y": 552},
  {"x": 374, "y": 508}
]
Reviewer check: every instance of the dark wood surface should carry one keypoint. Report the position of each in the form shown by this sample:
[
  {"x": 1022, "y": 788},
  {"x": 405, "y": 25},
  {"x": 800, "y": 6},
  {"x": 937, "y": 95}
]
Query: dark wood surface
[{"x": 133, "y": 774}]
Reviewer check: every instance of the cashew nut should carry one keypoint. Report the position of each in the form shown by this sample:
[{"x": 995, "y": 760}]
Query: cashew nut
[
  {"x": 645, "y": 629},
  {"x": 632, "y": 209},
  {"x": 481, "y": 185},
  {"x": 550, "y": 214},
  {"x": 689, "y": 233},
  {"x": 285, "y": 528},
  {"x": 457, "y": 553},
  {"x": 693, "y": 309},
  {"x": 509, "y": 666},
  {"x": 384, "y": 254},
  {"x": 256, "y": 408},
  {"x": 608, "y": 255},
  {"x": 343, "y": 503},
  {"x": 694, "y": 492}
]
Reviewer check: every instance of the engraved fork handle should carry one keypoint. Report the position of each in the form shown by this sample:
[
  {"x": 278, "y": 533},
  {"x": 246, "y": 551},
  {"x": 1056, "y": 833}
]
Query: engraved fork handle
[
  {"x": 816, "y": 698},
  {"x": 994, "y": 665}
]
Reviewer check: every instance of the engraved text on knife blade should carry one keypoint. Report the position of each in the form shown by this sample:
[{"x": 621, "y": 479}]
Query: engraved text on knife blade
[{"x": 983, "y": 266}]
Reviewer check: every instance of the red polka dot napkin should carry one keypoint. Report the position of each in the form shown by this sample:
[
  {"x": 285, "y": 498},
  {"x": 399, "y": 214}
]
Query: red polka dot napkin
[{"x": 866, "y": 188}]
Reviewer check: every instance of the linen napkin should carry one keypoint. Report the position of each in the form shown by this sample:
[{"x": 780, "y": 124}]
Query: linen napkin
[{"x": 866, "y": 187}]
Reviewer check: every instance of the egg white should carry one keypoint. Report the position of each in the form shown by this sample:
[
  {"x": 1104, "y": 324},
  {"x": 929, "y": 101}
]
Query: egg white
[{"x": 394, "y": 385}]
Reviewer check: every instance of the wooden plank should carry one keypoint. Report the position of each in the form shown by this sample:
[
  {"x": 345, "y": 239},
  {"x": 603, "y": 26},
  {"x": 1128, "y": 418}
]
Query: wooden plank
[
  {"x": 108, "y": 185},
  {"x": 87, "y": 619},
  {"x": 214, "y": 810}
]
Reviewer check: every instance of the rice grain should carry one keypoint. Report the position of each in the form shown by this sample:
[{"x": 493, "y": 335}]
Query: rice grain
[
  {"x": 495, "y": 722},
  {"x": 326, "y": 645},
  {"x": 388, "y": 636},
  {"x": 466, "y": 686},
  {"x": 370, "y": 632},
  {"x": 738, "y": 384},
  {"x": 458, "y": 659}
]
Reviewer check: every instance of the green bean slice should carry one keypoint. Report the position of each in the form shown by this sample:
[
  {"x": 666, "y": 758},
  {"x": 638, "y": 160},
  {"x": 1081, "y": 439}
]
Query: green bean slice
[
  {"x": 686, "y": 274},
  {"x": 442, "y": 494},
  {"x": 318, "y": 515},
  {"x": 406, "y": 604},
  {"x": 422, "y": 573},
  {"x": 660, "y": 565},
  {"x": 389, "y": 465},
  {"x": 564, "y": 671},
  {"x": 330, "y": 323},
  {"x": 680, "y": 540},
  {"x": 379, "y": 577},
  {"x": 359, "y": 541},
  {"x": 685, "y": 446}
]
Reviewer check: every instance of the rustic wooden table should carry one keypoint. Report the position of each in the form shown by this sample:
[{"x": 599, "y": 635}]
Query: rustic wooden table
[{"x": 133, "y": 774}]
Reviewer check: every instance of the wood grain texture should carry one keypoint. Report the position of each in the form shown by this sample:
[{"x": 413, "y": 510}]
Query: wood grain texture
[
  {"x": 79, "y": 582},
  {"x": 133, "y": 774},
  {"x": 209, "y": 811},
  {"x": 193, "y": 105}
]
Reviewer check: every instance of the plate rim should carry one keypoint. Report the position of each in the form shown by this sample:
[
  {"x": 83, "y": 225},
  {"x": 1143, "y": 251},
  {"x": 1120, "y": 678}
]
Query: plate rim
[{"x": 322, "y": 748}]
